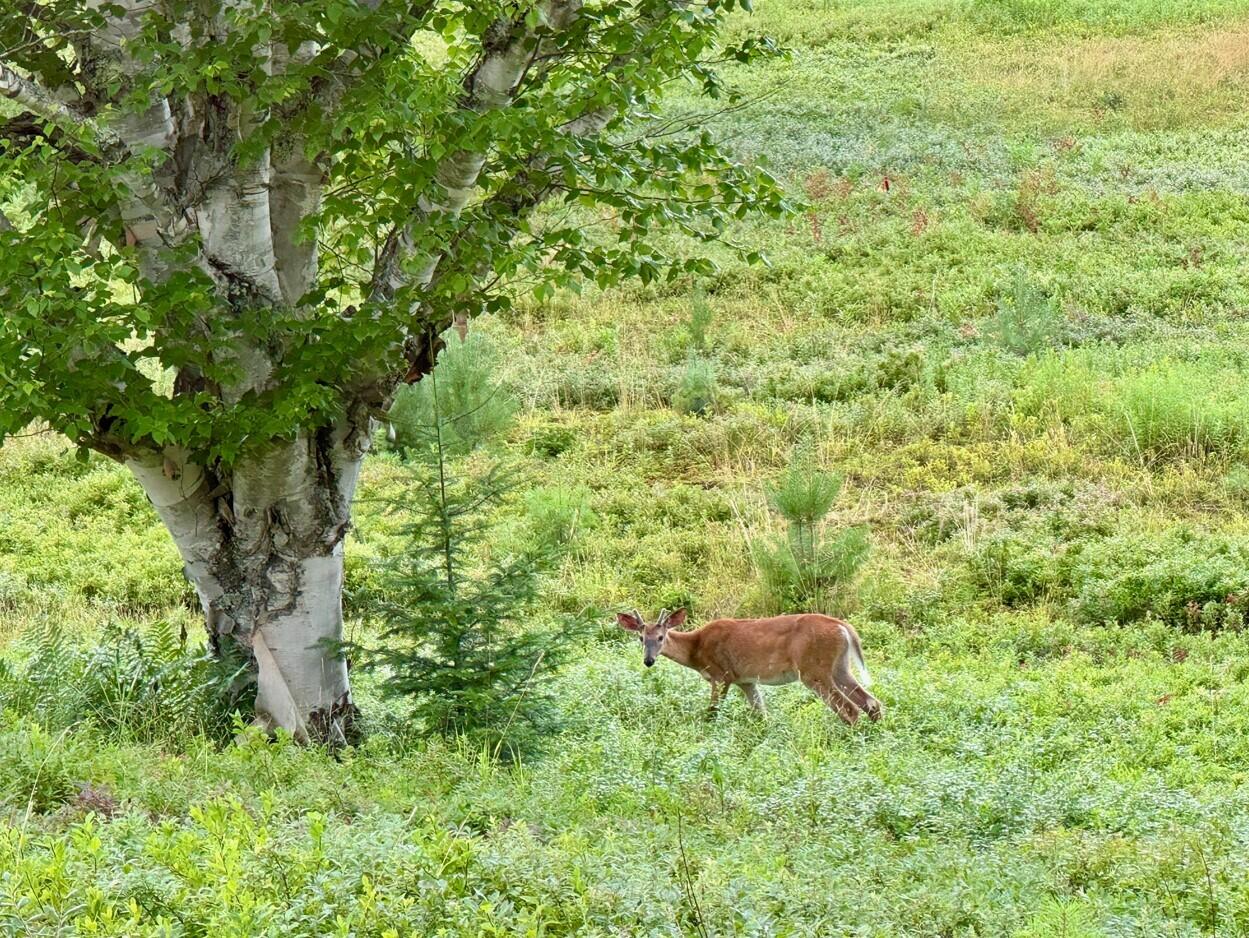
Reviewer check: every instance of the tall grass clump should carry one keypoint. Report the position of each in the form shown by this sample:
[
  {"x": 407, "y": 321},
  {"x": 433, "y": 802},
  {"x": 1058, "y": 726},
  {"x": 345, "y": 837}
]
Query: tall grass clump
[
  {"x": 1177, "y": 411},
  {"x": 1166, "y": 408},
  {"x": 806, "y": 570},
  {"x": 557, "y": 514}
]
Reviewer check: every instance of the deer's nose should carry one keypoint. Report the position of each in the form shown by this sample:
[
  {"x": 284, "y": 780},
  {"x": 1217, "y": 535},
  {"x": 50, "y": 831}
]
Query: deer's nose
[{"x": 649, "y": 662}]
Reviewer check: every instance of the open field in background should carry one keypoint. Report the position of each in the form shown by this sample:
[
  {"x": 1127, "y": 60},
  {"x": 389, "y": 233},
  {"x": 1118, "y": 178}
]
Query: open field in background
[{"x": 1027, "y": 352}]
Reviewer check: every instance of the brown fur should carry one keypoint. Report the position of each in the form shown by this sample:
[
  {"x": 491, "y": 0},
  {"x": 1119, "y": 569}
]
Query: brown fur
[{"x": 813, "y": 648}]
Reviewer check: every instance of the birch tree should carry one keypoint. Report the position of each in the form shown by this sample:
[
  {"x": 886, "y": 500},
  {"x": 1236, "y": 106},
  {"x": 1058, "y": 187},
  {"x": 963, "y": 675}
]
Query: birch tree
[{"x": 230, "y": 228}]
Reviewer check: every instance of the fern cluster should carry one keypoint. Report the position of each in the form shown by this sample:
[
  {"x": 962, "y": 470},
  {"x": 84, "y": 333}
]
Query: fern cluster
[{"x": 148, "y": 684}]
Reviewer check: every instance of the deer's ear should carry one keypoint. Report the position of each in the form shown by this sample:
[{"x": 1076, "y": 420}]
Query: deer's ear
[
  {"x": 627, "y": 620},
  {"x": 677, "y": 618}
]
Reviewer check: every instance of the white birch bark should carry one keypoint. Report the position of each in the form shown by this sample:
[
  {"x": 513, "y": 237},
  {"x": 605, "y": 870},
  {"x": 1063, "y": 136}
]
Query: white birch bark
[
  {"x": 265, "y": 555},
  {"x": 295, "y": 190},
  {"x": 302, "y": 683},
  {"x": 237, "y": 231},
  {"x": 490, "y": 87},
  {"x": 178, "y": 490}
]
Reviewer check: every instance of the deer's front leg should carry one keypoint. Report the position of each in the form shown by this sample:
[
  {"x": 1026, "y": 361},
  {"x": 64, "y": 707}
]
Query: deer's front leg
[{"x": 715, "y": 696}]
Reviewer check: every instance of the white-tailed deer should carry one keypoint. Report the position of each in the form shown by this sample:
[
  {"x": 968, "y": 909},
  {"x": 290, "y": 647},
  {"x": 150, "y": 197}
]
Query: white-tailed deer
[{"x": 809, "y": 647}]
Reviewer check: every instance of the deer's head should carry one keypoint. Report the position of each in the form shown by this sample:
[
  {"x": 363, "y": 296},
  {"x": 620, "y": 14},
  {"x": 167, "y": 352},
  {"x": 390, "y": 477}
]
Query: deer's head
[{"x": 651, "y": 636}]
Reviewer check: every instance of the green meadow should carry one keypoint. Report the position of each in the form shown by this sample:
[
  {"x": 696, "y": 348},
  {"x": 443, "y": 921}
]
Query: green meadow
[{"x": 1010, "y": 311}]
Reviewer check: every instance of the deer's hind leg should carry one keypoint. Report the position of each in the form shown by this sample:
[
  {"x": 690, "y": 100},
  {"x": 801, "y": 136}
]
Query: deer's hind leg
[
  {"x": 832, "y": 695},
  {"x": 850, "y": 686},
  {"x": 753, "y": 697}
]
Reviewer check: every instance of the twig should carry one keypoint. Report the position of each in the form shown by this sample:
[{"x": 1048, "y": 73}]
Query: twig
[
  {"x": 519, "y": 700},
  {"x": 687, "y": 880}
]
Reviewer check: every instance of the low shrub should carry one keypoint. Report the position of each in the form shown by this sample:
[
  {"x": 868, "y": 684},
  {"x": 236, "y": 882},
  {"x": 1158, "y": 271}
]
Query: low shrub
[
  {"x": 1188, "y": 581},
  {"x": 554, "y": 439},
  {"x": 826, "y": 382},
  {"x": 1058, "y": 388},
  {"x": 835, "y": 377},
  {"x": 899, "y": 367},
  {"x": 1016, "y": 569},
  {"x": 83, "y": 530},
  {"x": 592, "y": 384},
  {"x": 1195, "y": 583},
  {"x": 36, "y": 771},
  {"x": 14, "y": 590},
  {"x": 1235, "y": 482}
]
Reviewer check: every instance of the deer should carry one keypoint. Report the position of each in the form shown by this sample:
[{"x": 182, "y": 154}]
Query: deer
[{"x": 809, "y": 647}]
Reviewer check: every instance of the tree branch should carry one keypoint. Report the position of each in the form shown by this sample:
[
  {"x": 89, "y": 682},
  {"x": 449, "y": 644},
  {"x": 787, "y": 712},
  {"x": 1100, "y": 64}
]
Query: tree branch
[
  {"x": 527, "y": 189},
  {"x": 44, "y": 104},
  {"x": 508, "y": 50},
  {"x": 26, "y": 127}
]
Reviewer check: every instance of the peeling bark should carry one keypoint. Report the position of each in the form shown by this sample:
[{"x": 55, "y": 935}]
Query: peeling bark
[
  {"x": 264, "y": 551},
  {"x": 301, "y": 681}
]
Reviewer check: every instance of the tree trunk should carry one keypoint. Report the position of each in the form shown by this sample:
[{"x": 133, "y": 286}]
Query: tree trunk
[
  {"x": 263, "y": 546},
  {"x": 301, "y": 679}
]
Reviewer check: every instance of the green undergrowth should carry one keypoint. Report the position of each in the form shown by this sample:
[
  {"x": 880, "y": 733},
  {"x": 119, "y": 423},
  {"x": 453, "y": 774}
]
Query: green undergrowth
[{"x": 1035, "y": 763}]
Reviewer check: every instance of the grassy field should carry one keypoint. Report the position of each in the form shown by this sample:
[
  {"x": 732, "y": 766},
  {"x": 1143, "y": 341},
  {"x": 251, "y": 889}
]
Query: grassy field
[{"x": 1012, "y": 313}]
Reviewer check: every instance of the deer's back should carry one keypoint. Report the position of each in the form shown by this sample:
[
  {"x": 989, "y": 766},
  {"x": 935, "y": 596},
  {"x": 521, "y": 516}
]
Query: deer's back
[{"x": 772, "y": 649}]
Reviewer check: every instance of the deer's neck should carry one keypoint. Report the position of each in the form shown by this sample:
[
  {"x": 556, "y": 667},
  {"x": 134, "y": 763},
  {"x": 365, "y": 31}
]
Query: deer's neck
[{"x": 680, "y": 647}]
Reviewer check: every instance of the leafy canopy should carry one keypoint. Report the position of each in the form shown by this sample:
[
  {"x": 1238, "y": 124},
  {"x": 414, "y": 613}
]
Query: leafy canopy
[{"x": 410, "y": 187}]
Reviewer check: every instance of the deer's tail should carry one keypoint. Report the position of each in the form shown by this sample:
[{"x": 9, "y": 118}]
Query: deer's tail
[{"x": 856, "y": 649}]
